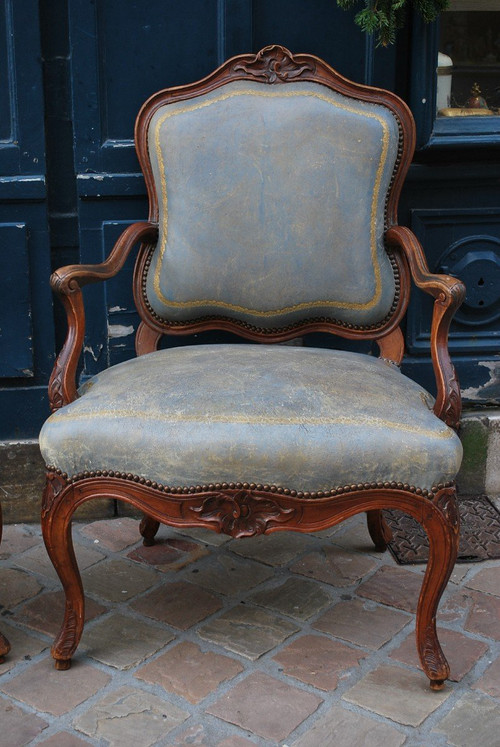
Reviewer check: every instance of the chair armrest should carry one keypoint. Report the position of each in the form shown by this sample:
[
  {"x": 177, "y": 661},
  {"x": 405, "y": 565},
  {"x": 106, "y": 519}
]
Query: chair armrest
[
  {"x": 67, "y": 283},
  {"x": 448, "y": 292}
]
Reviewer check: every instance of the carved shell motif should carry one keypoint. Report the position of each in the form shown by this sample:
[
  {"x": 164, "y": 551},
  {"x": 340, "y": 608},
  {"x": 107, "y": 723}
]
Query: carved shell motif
[
  {"x": 241, "y": 514},
  {"x": 274, "y": 64}
]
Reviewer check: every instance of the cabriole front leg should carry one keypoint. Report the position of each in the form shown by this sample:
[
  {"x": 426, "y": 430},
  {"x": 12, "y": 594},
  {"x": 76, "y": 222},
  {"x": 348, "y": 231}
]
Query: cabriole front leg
[
  {"x": 57, "y": 511},
  {"x": 441, "y": 523}
]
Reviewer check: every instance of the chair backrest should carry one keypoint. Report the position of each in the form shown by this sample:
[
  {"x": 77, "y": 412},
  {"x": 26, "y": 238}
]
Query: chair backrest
[{"x": 273, "y": 182}]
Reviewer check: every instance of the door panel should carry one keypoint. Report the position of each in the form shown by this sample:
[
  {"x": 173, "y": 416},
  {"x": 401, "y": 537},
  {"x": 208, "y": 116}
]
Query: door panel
[{"x": 26, "y": 318}]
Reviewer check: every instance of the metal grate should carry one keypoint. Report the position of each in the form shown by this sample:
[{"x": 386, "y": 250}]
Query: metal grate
[{"x": 479, "y": 533}]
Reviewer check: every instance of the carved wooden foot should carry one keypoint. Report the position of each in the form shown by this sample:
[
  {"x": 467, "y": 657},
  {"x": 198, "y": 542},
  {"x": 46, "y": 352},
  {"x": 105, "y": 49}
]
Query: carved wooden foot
[
  {"x": 148, "y": 528},
  {"x": 379, "y": 530},
  {"x": 57, "y": 509},
  {"x": 441, "y": 522}
]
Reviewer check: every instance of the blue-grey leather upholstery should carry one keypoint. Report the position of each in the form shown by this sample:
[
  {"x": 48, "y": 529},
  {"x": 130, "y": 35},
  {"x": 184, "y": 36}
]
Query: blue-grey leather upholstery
[
  {"x": 272, "y": 206},
  {"x": 303, "y": 418}
]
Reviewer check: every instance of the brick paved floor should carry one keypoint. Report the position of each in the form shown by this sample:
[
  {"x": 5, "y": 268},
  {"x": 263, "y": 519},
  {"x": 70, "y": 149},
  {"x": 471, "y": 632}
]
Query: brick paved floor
[{"x": 297, "y": 640}]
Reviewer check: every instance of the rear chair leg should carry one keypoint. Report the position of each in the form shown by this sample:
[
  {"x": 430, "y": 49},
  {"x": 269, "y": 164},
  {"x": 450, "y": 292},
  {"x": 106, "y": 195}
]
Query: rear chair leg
[
  {"x": 148, "y": 528},
  {"x": 4, "y": 647},
  {"x": 379, "y": 530}
]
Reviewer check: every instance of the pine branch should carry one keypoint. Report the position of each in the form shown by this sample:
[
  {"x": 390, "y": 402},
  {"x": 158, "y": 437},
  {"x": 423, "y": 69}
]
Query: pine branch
[{"x": 385, "y": 17}]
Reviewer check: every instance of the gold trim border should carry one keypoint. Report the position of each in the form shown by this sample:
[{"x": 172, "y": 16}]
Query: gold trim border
[
  {"x": 214, "y": 419},
  {"x": 297, "y": 307}
]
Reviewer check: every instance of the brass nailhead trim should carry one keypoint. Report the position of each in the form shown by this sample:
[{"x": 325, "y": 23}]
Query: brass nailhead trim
[
  {"x": 194, "y": 489},
  {"x": 272, "y": 330},
  {"x": 313, "y": 320}
]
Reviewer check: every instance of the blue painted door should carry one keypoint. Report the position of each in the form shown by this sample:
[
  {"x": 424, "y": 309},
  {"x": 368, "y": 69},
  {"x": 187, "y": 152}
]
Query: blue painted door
[
  {"x": 73, "y": 74},
  {"x": 26, "y": 317}
]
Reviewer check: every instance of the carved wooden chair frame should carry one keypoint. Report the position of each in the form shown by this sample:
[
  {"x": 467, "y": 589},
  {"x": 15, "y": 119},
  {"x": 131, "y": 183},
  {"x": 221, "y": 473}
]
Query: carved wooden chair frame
[{"x": 249, "y": 509}]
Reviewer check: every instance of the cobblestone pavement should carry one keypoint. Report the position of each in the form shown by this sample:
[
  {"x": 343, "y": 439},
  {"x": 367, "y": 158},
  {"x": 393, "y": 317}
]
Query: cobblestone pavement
[{"x": 289, "y": 639}]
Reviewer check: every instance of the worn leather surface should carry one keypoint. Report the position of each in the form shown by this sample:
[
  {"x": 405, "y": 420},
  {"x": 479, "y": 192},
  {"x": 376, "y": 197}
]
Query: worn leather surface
[
  {"x": 272, "y": 205},
  {"x": 304, "y": 418}
]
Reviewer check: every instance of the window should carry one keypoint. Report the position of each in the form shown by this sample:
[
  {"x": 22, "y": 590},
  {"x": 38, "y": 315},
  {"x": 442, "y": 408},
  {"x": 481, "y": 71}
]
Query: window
[
  {"x": 469, "y": 59},
  {"x": 455, "y": 80}
]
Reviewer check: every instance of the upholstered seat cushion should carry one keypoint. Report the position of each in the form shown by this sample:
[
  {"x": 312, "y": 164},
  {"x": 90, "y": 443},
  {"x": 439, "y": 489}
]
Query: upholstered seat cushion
[{"x": 302, "y": 418}]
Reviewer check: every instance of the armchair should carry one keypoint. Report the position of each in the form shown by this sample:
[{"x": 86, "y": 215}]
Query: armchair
[{"x": 273, "y": 187}]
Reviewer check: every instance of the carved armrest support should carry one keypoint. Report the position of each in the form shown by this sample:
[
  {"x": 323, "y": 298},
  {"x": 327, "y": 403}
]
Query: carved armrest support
[
  {"x": 448, "y": 292},
  {"x": 67, "y": 283}
]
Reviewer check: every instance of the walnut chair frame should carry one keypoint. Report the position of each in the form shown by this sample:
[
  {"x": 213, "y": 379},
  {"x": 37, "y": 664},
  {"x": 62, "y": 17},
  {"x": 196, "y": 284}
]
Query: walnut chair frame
[{"x": 241, "y": 508}]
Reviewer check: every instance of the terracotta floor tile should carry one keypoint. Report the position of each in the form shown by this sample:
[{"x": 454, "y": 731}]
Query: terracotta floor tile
[
  {"x": 273, "y": 549},
  {"x": 197, "y": 736},
  {"x": 473, "y": 720},
  {"x": 459, "y": 572},
  {"x": 123, "y": 642},
  {"x": 342, "y": 728},
  {"x": 318, "y": 661},
  {"x": 187, "y": 671},
  {"x": 37, "y": 560},
  {"x": 461, "y": 651},
  {"x": 296, "y": 598},
  {"x": 207, "y": 536},
  {"x": 45, "y": 613},
  {"x": 64, "y": 739},
  {"x": 334, "y": 566},
  {"x": 16, "y": 586},
  {"x": 402, "y": 695},
  {"x": 193, "y": 736},
  {"x": 229, "y": 575},
  {"x": 454, "y": 605},
  {"x": 484, "y": 615},
  {"x": 130, "y": 717},
  {"x": 486, "y": 580},
  {"x": 394, "y": 586},
  {"x": 489, "y": 683},
  {"x": 17, "y": 538},
  {"x": 23, "y": 647},
  {"x": 179, "y": 604},
  {"x": 113, "y": 534},
  {"x": 51, "y": 691},
  {"x": 21, "y": 727},
  {"x": 248, "y": 631},
  {"x": 362, "y": 623},
  {"x": 356, "y": 538},
  {"x": 170, "y": 554},
  {"x": 118, "y": 580},
  {"x": 265, "y": 706}
]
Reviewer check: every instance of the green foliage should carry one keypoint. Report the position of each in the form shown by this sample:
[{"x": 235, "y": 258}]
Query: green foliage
[{"x": 385, "y": 17}]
